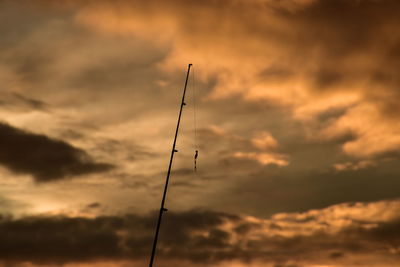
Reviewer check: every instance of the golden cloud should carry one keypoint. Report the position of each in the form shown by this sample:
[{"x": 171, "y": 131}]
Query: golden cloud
[{"x": 298, "y": 54}]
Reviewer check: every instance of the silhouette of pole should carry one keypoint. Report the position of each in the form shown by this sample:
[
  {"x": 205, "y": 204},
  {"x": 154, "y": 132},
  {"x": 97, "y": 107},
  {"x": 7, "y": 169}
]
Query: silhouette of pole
[{"x": 162, "y": 208}]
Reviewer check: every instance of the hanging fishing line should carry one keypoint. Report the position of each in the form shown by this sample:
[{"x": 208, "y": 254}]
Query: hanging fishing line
[{"x": 196, "y": 153}]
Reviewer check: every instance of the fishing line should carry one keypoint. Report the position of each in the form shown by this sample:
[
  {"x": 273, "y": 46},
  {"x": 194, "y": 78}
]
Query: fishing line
[{"x": 196, "y": 153}]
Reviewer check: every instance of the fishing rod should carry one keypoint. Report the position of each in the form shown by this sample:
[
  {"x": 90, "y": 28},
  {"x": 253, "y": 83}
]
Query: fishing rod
[{"x": 173, "y": 151}]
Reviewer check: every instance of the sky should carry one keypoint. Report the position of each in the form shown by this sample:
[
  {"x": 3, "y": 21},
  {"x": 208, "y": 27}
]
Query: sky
[{"x": 293, "y": 106}]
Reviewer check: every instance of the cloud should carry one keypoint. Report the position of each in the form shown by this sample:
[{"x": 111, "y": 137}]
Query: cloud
[
  {"x": 354, "y": 165},
  {"x": 263, "y": 158},
  {"x": 261, "y": 147},
  {"x": 374, "y": 133},
  {"x": 311, "y": 56},
  {"x": 9, "y": 206},
  {"x": 318, "y": 78},
  {"x": 44, "y": 158},
  {"x": 329, "y": 236},
  {"x": 264, "y": 140},
  {"x": 18, "y": 102}
]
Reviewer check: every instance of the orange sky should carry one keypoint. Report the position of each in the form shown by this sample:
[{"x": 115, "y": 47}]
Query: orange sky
[{"x": 297, "y": 125}]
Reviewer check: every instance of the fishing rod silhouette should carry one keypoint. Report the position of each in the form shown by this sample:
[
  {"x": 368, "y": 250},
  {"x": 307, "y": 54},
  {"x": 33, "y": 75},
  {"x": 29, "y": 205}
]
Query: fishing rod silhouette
[{"x": 173, "y": 151}]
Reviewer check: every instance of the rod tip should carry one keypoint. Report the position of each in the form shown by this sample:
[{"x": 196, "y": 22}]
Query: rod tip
[{"x": 190, "y": 64}]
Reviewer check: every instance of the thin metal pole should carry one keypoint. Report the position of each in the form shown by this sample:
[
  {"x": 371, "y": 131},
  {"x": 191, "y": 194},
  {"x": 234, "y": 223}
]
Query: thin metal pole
[{"x": 162, "y": 209}]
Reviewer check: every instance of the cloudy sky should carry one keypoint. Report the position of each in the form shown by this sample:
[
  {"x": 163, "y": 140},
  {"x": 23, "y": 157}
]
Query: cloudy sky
[{"x": 298, "y": 132}]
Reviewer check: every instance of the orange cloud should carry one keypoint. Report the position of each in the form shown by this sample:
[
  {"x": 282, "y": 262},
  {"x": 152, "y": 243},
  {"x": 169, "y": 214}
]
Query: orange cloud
[
  {"x": 295, "y": 53},
  {"x": 264, "y": 140},
  {"x": 263, "y": 158},
  {"x": 374, "y": 133}
]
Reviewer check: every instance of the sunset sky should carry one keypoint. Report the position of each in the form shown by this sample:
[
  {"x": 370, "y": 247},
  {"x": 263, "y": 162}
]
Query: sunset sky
[{"x": 298, "y": 132}]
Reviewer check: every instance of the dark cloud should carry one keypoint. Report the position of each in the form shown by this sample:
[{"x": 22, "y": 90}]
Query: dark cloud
[
  {"x": 59, "y": 239},
  {"x": 62, "y": 239},
  {"x": 197, "y": 236},
  {"x": 272, "y": 190},
  {"x": 46, "y": 159},
  {"x": 34, "y": 103},
  {"x": 337, "y": 254},
  {"x": 93, "y": 205},
  {"x": 287, "y": 265},
  {"x": 19, "y": 103}
]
